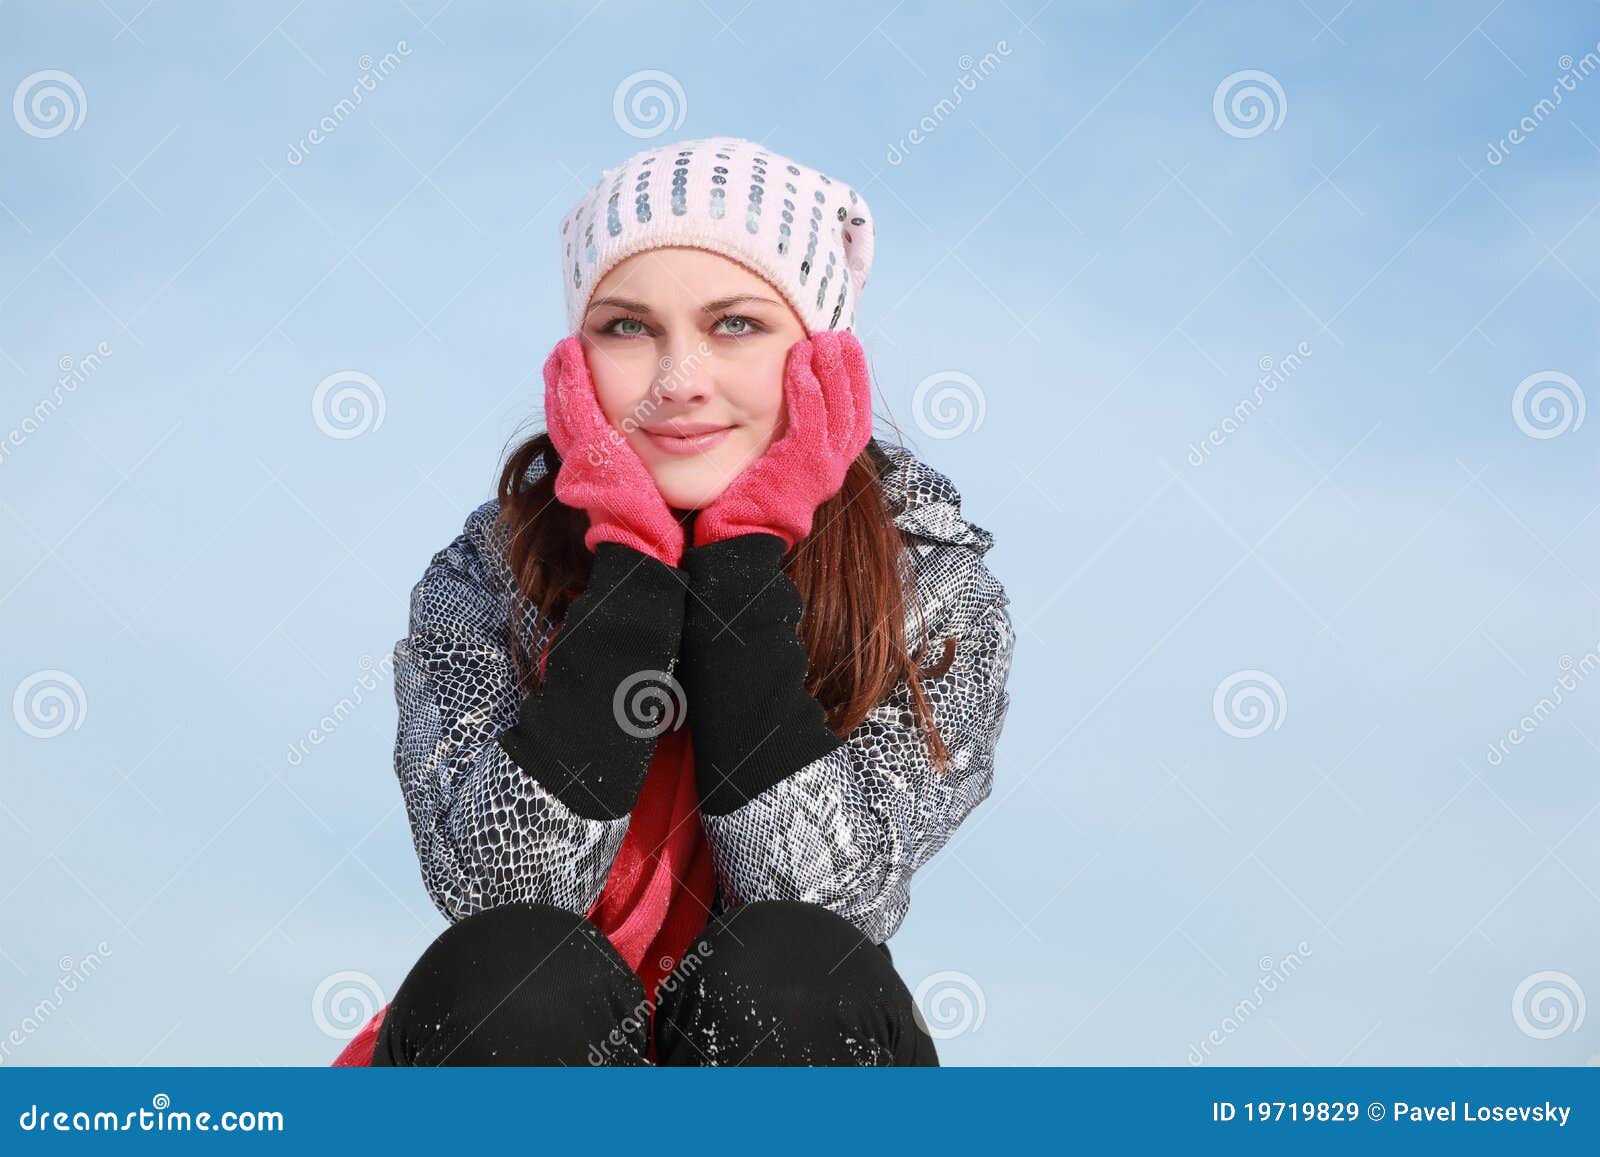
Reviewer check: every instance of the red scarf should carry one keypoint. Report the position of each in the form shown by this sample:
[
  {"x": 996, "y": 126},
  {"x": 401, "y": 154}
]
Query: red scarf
[{"x": 659, "y": 892}]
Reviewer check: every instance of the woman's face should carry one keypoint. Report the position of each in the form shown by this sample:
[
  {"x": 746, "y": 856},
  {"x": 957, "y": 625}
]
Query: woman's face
[{"x": 683, "y": 340}]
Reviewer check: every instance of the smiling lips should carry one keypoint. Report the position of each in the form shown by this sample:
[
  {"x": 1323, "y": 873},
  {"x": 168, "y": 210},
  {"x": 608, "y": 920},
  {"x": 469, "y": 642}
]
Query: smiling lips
[{"x": 687, "y": 437}]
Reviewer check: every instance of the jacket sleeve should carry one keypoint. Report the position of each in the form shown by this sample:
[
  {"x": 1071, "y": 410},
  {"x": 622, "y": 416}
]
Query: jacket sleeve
[
  {"x": 791, "y": 810},
  {"x": 513, "y": 798}
]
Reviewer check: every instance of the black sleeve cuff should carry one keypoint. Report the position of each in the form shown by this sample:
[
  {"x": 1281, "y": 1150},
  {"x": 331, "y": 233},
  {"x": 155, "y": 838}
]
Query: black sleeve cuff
[
  {"x": 751, "y": 718},
  {"x": 573, "y": 734}
]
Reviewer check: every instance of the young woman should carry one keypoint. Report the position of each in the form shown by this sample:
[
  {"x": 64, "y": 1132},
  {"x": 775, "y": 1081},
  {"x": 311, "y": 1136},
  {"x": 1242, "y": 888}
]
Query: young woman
[{"x": 686, "y": 706}]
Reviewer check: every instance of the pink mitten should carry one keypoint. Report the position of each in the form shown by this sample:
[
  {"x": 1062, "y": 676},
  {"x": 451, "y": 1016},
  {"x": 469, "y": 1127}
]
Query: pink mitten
[
  {"x": 828, "y": 400},
  {"x": 600, "y": 472}
]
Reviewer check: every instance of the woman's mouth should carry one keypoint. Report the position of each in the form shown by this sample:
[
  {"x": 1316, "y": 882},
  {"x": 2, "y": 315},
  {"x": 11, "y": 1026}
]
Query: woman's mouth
[{"x": 695, "y": 443}]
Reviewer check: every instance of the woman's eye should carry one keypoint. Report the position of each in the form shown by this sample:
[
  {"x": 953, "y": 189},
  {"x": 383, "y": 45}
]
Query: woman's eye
[
  {"x": 741, "y": 326},
  {"x": 746, "y": 325}
]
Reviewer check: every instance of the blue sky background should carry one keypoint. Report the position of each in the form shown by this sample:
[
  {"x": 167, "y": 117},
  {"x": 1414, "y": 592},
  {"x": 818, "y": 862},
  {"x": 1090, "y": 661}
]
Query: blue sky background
[{"x": 1086, "y": 241}]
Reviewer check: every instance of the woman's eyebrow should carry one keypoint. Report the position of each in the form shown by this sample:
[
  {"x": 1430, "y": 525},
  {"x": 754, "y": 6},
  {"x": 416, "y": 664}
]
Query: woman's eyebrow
[
  {"x": 709, "y": 307},
  {"x": 723, "y": 303}
]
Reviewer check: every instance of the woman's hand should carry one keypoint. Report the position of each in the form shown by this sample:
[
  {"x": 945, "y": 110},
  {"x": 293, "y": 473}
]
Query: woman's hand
[
  {"x": 828, "y": 399},
  {"x": 600, "y": 472}
]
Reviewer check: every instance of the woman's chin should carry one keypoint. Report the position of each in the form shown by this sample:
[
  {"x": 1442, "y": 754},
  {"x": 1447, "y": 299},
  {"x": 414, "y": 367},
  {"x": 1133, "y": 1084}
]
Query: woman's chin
[
  {"x": 684, "y": 500},
  {"x": 685, "y": 490},
  {"x": 695, "y": 482}
]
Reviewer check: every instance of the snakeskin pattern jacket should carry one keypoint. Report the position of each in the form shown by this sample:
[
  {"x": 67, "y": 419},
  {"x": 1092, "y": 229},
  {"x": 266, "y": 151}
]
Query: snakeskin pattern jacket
[{"x": 846, "y": 831}]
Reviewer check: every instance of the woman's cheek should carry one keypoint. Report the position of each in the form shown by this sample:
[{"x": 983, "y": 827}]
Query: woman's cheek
[{"x": 622, "y": 407}]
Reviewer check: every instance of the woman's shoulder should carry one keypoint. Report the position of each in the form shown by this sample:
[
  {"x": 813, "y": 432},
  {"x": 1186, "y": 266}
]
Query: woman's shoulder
[
  {"x": 484, "y": 537},
  {"x": 955, "y": 586},
  {"x": 478, "y": 550},
  {"x": 925, "y": 502},
  {"x": 468, "y": 577},
  {"x": 468, "y": 589}
]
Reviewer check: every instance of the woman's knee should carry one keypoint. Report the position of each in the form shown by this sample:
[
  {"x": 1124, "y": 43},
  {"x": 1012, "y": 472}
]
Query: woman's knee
[
  {"x": 516, "y": 942},
  {"x": 520, "y": 983},
  {"x": 794, "y": 944},
  {"x": 789, "y": 957},
  {"x": 789, "y": 982}
]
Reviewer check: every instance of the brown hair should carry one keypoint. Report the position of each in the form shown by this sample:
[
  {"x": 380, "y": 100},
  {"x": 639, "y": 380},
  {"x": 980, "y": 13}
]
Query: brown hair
[{"x": 852, "y": 571}]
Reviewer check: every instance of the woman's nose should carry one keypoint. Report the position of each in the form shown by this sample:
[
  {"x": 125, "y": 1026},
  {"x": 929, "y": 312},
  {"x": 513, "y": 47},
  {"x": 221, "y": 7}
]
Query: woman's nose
[{"x": 685, "y": 369}]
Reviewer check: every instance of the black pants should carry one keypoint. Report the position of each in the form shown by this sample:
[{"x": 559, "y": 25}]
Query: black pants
[{"x": 776, "y": 982}]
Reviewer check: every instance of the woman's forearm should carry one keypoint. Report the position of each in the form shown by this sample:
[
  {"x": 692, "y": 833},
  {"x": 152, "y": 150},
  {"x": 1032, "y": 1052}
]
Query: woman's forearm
[
  {"x": 751, "y": 718},
  {"x": 577, "y": 734}
]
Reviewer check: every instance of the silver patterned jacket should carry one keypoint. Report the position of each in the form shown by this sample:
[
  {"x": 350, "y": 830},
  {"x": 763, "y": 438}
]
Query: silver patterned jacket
[{"x": 846, "y": 831}]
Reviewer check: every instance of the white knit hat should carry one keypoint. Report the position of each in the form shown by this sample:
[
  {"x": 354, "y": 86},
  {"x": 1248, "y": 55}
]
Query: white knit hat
[{"x": 807, "y": 234}]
